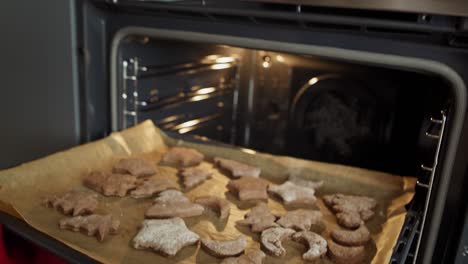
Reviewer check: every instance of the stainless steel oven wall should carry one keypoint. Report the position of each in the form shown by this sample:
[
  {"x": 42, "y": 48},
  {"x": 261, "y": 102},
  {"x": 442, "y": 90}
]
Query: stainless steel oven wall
[
  {"x": 39, "y": 101},
  {"x": 190, "y": 89}
]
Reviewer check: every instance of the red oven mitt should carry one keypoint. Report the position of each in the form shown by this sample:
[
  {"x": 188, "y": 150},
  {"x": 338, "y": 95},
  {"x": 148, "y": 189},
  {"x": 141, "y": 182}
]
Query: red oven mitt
[{"x": 15, "y": 250}]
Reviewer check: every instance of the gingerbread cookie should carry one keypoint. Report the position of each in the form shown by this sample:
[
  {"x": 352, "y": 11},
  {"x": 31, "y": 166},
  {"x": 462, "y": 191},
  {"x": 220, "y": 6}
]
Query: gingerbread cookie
[
  {"x": 74, "y": 203},
  {"x": 171, "y": 196},
  {"x": 110, "y": 184},
  {"x": 182, "y": 157},
  {"x": 253, "y": 257},
  {"x": 225, "y": 248},
  {"x": 219, "y": 205},
  {"x": 153, "y": 186},
  {"x": 95, "y": 179},
  {"x": 317, "y": 245},
  {"x": 345, "y": 255},
  {"x": 166, "y": 207},
  {"x": 356, "y": 237},
  {"x": 272, "y": 239},
  {"x": 135, "y": 167},
  {"x": 349, "y": 219},
  {"x": 305, "y": 183},
  {"x": 349, "y": 207},
  {"x": 166, "y": 236},
  {"x": 192, "y": 177},
  {"x": 259, "y": 218},
  {"x": 238, "y": 169},
  {"x": 293, "y": 194},
  {"x": 249, "y": 188},
  {"x": 92, "y": 225},
  {"x": 300, "y": 220}
]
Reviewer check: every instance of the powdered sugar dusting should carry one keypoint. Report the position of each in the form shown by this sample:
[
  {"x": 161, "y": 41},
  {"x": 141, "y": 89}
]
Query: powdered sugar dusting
[{"x": 167, "y": 236}]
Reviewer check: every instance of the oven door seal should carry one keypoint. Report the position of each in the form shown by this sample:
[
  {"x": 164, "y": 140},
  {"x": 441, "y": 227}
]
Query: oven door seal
[{"x": 371, "y": 58}]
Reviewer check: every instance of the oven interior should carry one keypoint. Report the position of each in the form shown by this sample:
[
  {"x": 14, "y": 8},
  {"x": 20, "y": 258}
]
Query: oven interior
[{"x": 288, "y": 104}]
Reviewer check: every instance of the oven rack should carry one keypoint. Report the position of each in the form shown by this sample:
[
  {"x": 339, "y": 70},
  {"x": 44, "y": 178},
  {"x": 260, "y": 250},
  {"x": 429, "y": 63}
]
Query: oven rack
[{"x": 133, "y": 105}]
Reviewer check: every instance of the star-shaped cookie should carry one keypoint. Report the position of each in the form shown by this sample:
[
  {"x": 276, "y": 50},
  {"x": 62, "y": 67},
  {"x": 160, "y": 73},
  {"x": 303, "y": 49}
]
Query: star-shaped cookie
[
  {"x": 259, "y": 218},
  {"x": 300, "y": 220},
  {"x": 238, "y": 169},
  {"x": 293, "y": 194},
  {"x": 249, "y": 188},
  {"x": 166, "y": 236}
]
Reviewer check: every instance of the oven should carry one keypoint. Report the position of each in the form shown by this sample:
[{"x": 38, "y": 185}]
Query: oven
[{"x": 376, "y": 87}]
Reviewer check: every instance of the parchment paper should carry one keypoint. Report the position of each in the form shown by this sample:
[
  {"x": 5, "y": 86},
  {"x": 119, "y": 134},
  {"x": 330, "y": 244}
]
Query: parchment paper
[{"x": 23, "y": 187}]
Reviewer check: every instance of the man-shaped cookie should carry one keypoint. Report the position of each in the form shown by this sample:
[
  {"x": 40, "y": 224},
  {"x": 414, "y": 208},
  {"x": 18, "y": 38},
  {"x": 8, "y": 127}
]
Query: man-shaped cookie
[{"x": 259, "y": 218}]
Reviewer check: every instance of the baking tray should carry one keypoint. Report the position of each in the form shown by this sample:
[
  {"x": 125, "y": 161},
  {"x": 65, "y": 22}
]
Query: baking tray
[{"x": 66, "y": 169}]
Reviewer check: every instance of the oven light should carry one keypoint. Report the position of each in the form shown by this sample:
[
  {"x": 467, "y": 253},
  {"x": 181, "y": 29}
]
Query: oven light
[
  {"x": 169, "y": 119},
  {"x": 313, "y": 81},
  {"x": 189, "y": 123},
  {"x": 206, "y": 90},
  {"x": 220, "y": 66},
  {"x": 199, "y": 98},
  {"x": 187, "y": 126},
  {"x": 212, "y": 57},
  {"x": 184, "y": 130},
  {"x": 225, "y": 60},
  {"x": 266, "y": 64},
  {"x": 249, "y": 151},
  {"x": 280, "y": 58}
]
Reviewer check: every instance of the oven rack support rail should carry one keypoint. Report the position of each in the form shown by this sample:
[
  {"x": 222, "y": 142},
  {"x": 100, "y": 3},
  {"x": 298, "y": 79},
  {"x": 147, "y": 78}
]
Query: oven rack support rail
[
  {"x": 407, "y": 247},
  {"x": 130, "y": 102}
]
